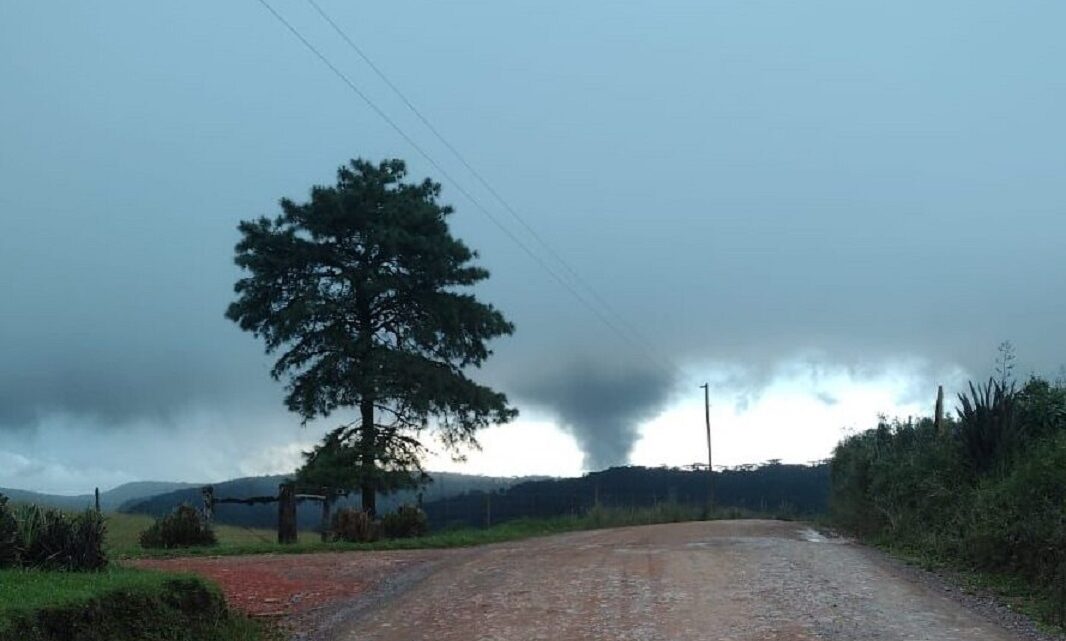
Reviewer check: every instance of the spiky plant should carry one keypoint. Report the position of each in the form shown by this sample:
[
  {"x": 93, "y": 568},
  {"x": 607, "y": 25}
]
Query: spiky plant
[
  {"x": 54, "y": 540},
  {"x": 988, "y": 425}
]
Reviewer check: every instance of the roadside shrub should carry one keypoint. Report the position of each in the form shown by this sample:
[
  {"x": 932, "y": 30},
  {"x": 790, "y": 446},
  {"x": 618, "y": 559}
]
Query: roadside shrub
[
  {"x": 1018, "y": 523},
  {"x": 53, "y": 540},
  {"x": 354, "y": 526},
  {"x": 182, "y": 528},
  {"x": 986, "y": 492},
  {"x": 406, "y": 522},
  {"x": 9, "y": 536},
  {"x": 86, "y": 551}
]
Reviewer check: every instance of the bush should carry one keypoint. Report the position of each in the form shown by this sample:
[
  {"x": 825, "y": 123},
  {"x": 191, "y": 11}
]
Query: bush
[
  {"x": 182, "y": 528},
  {"x": 406, "y": 522},
  {"x": 985, "y": 492},
  {"x": 9, "y": 536},
  {"x": 123, "y": 604},
  {"x": 354, "y": 526},
  {"x": 53, "y": 540}
]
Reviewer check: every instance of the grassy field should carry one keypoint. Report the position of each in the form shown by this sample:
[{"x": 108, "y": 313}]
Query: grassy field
[
  {"x": 124, "y": 530},
  {"x": 116, "y": 603},
  {"x": 122, "y": 536}
]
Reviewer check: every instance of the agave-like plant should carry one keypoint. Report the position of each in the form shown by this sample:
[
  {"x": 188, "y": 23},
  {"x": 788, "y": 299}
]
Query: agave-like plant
[
  {"x": 988, "y": 424},
  {"x": 54, "y": 540}
]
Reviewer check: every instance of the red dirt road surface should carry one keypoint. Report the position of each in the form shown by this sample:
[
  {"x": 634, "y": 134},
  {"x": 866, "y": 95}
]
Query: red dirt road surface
[{"x": 724, "y": 580}]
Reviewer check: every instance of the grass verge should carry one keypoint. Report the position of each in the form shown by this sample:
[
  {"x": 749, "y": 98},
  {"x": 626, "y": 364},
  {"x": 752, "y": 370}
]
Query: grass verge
[
  {"x": 1041, "y": 606},
  {"x": 119, "y": 603}
]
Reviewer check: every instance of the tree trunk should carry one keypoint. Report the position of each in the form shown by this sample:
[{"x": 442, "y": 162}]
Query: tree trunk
[{"x": 367, "y": 436}]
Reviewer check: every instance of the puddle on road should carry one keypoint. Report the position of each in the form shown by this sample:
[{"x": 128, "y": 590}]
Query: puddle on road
[{"x": 814, "y": 536}]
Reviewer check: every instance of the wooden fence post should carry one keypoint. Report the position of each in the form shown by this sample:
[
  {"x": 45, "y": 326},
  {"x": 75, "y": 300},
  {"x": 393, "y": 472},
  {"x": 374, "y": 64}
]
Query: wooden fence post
[
  {"x": 287, "y": 513},
  {"x": 208, "y": 493},
  {"x": 327, "y": 506}
]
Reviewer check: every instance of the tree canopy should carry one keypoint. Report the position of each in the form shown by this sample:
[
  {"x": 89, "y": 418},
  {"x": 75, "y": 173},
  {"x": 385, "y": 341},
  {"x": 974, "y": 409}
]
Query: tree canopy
[{"x": 362, "y": 291}]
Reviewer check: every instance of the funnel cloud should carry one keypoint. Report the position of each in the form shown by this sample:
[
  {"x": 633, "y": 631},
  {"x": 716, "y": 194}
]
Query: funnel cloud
[{"x": 602, "y": 408}]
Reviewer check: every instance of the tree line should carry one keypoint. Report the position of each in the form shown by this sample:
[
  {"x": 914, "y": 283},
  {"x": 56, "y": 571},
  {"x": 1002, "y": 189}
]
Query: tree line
[{"x": 772, "y": 489}]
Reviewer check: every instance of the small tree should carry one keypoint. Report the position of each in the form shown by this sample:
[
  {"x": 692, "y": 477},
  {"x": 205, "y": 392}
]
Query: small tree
[{"x": 361, "y": 290}]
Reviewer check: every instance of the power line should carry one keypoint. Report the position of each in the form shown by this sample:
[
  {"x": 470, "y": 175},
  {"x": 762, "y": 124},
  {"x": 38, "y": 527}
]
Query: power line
[
  {"x": 634, "y": 333},
  {"x": 425, "y": 155}
]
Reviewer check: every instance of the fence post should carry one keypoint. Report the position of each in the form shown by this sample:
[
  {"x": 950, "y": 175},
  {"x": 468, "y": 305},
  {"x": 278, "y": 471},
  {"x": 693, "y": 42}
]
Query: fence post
[
  {"x": 287, "y": 513},
  {"x": 208, "y": 493},
  {"x": 97, "y": 493},
  {"x": 327, "y": 506}
]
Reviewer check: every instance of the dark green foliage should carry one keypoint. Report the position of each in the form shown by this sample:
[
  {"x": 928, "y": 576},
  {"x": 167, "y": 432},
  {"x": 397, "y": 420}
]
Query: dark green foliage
[
  {"x": 406, "y": 522},
  {"x": 184, "y": 527},
  {"x": 54, "y": 540},
  {"x": 1042, "y": 407},
  {"x": 362, "y": 291},
  {"x": 988, "y": 492},
  {"x": 354, "y": 526},
  {"x": 178, "y": 610},
  {"x": 9, "y": 536},
  {"x": 770, "y": 489},
  {"x": 988, "y": 424}
]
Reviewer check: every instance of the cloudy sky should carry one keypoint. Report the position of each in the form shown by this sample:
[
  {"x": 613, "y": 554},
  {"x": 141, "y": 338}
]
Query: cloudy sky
[{"x": 821, "y": 208}]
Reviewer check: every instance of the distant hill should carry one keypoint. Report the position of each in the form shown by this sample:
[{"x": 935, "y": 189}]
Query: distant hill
[
  {"x": 445, "y": 484},
  {"x": 110, "y": 500},
  {"x": 773, "y": 488}
]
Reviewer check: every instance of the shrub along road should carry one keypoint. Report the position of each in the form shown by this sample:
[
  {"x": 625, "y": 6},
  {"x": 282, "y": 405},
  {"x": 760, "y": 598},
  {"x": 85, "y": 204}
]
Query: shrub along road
[{"x": 736, "y": 580}]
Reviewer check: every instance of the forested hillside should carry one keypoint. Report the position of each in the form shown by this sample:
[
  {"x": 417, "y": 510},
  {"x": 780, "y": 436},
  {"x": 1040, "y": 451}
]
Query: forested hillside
[
  {"x": 109, "y": 500},
  {"x": 985, "y": 491},
  {"x": 773, "y": 488}
]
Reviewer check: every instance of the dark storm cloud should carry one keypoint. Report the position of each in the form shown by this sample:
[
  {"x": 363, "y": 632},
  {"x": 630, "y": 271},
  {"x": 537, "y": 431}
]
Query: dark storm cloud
[
  {"x": 602, "y": 407},
  {"x": 743, "y": 182}
]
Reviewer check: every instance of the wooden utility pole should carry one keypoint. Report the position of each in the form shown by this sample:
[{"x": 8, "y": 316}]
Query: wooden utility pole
[
  {"x": 97, "y": 493},
  {"x": 710, "y": 467}
]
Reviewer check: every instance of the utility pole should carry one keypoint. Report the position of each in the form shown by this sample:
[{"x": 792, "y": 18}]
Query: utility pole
[{"x": 710, "y": 468}]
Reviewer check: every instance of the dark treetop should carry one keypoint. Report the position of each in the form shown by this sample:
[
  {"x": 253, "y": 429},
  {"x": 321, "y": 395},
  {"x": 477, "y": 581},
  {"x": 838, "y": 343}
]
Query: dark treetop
[{"x": 362, "y": 292}]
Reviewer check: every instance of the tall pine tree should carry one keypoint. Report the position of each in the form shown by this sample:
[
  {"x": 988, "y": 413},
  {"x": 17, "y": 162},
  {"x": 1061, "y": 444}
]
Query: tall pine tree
[{"x": 362, "y": 291}]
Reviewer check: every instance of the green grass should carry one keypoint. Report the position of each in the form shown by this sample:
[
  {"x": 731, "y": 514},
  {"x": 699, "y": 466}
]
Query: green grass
[
  {"x": 117, "y": 603},
  {"x": 124, "y": 530},
  {"x": 237, "y": 541},
  {"x": 32, "y": 589}
]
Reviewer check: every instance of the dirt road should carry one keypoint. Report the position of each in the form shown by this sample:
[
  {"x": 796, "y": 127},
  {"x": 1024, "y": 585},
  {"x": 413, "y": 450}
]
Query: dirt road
[
  {"x": 722, "y": 580},
  {"x": 738, "y": 581}
]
